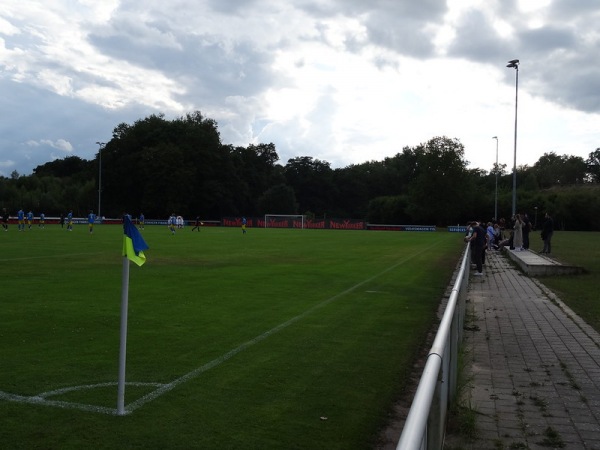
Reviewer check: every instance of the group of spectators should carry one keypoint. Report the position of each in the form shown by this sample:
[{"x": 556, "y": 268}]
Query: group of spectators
[{"x": 495, "y": 235}]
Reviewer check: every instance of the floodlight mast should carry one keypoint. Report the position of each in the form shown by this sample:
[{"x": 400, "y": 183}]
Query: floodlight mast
[
  {"x": 102, "y": 145},
  {"x": 496, "y": 196},
  {"x": 514, "y": 64}
]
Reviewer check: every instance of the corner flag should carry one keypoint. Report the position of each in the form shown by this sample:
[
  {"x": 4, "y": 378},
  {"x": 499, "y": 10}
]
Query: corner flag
[
  {"x": 133, "y": 250},
  {"x": 133, "y": 243}
]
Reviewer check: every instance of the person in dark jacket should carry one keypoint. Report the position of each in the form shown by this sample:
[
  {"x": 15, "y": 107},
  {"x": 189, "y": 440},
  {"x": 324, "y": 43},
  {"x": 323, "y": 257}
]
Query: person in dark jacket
[
  {"x": 547, "y": 232},
  {"x": 478, "y": 240},
  {"x": 526, "y": 229}
]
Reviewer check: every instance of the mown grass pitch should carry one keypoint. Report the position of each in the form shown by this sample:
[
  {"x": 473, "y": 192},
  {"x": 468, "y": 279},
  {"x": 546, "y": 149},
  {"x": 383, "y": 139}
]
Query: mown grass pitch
[{"x": 273, "y": 339}]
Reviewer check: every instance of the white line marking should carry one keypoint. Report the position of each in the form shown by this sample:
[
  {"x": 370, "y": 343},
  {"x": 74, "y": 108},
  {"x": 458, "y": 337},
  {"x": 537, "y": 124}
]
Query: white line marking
[
  {"x": 26, "y": 258},
  {"x": 40, "y": 399}
]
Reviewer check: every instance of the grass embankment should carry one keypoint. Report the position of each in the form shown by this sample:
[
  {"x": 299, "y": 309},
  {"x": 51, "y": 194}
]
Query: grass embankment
[{"x": 580, "y": 292}]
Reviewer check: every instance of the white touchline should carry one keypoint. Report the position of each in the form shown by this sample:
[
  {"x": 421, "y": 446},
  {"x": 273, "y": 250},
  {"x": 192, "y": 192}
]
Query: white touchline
[{"x": 40, "y": 399}]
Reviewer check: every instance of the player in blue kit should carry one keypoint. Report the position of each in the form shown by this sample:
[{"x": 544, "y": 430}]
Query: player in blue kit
[
  {"x": 70, "y": 221},
  {"x": 172, "y": 223},
  {"x": 21, "y": 220},
  {"x": 91, "y": 220}
]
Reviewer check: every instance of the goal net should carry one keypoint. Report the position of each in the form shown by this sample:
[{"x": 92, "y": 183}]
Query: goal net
[{"x": 284, "y": 221}]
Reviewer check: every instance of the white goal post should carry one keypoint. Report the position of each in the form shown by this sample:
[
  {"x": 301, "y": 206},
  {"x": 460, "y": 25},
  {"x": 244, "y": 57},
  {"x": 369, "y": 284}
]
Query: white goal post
[{"x": 285, "y": 221}]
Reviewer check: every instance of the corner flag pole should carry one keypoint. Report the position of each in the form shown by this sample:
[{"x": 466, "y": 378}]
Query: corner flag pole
[
  {"x": 133, "y": 250},
  {"x": 123, "y": 345}
]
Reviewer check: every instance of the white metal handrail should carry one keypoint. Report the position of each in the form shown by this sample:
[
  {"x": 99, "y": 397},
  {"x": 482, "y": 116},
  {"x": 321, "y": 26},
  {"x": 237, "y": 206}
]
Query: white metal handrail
[{"x": 425, "y": 424}]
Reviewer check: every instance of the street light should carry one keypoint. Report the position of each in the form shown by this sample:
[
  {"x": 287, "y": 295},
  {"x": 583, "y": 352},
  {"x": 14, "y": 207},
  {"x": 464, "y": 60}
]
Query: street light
[
  {"x": 101, "y": 144},
  {"x": 496, "y": 199},
  {"x": 514, "y": 63}
]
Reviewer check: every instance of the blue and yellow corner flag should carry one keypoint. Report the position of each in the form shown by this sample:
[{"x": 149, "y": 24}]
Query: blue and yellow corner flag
[{"x": 133, "y": 243}]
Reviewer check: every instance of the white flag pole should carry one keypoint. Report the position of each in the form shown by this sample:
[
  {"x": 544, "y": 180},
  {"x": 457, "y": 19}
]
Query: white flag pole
[{"x": 123, "y": 345}]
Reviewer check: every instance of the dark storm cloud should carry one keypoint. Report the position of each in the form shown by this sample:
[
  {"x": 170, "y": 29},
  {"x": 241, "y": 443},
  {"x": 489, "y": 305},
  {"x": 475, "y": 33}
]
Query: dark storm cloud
[
  {"x": 476, "y": 40},
  {"x": 217, "y": 69},
  {"x": 567, "y": 55},
  {"x": 395, "y": 10},
  {"x": 211, "y": 68},
  {"x": 234, "y": 7},
  {"x": 547, "y": 40},
  {"x": 560, "y": 60},
  {"x": 565, "y": 10},
  {"x": 400, "y": 26},
  {"x": 40, "y": 120}
]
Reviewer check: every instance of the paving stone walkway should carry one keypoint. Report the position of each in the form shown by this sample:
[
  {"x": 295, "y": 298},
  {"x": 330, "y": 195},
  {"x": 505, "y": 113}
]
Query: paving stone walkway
[{"x": 534, "y": 365}]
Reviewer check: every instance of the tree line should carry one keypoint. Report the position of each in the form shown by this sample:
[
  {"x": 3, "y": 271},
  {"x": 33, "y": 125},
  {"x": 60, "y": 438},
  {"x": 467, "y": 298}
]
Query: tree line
[{"x": 158, "y": 166}]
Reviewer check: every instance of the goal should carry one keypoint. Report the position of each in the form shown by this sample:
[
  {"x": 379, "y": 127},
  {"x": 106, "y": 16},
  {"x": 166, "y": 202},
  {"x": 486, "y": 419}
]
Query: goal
[{"x": 284, "y": 221}]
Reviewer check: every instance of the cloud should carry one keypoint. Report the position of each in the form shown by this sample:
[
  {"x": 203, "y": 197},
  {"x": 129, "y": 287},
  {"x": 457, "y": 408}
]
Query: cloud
[
  {"x": 342, "y": 81},
  {"x": 60, "y": 144}
]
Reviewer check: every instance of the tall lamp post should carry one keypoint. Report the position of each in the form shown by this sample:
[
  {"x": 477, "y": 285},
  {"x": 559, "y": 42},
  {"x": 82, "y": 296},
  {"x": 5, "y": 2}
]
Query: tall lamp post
[
  {"x": 496, "y": 169},
  {"x": 514, "y": 63},
  {"x": 101, "y": 144}
]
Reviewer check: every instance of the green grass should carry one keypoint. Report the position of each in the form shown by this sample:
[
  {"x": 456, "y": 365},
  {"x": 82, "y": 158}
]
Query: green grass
[
  {"x": 579, "y": 292},
  {"x": 324, "y": 327}
]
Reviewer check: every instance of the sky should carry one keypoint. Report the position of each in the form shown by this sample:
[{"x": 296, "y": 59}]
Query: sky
[{"x": 342, "y": 81}]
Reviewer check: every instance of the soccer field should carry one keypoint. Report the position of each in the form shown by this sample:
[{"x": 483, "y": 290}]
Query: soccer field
[{"x": 273, "y": 339}]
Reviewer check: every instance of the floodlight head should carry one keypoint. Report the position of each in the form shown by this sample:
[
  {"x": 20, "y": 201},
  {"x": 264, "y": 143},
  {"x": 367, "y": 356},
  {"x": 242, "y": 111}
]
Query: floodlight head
[
  {"x": 494, "y": 137},
  {"x": 513, "y": 63}
]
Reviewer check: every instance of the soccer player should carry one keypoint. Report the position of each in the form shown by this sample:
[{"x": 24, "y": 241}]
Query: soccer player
[
  {"x": 197, "y": 224},
  {"x": 91, "y": 220},
  {"x": 172, "y": 223},
  {"x": 70, "y": 221},
  {"x": 243, "y": 225},
  {"x": 141, "y": 221},
  {"x": 42, "y": 221},
  {"x": 29, "y": 219},
  {"x": 21, "y": 220},
  {"x": 5, "y": 217}
]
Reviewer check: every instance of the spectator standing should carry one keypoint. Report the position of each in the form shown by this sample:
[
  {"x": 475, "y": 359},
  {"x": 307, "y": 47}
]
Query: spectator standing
[
  {"x": 547, "y": 232},
  {"x": 490, "y": 235},
  {"x": 478, "y": 238},
  {"x": 518, "y": 233},
  {"x": 526, "y": 229}
]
